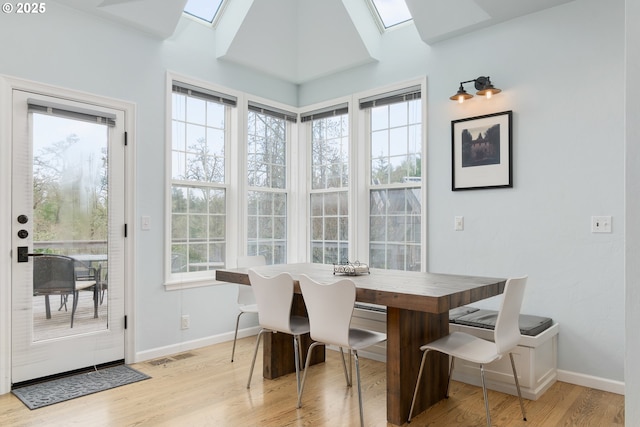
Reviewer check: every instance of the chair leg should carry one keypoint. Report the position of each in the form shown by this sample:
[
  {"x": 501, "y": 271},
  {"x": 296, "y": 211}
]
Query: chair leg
[
  {"x": 446, "y": 394},
  {"x": 296, "y": 352},
  {"x": 415, "y": 392},
  {"x": 347, "y": 376},
  {"x": 515, "y": 377},
  {"x": 47, "y": 306},
  {"x": 96, "y": 299},
  {"x": 76, "y": 296},
  {"x": 355, "y": 356},
  {"x": 235, "y": 336},
  {"x": 255, "y": 353},
  {"x": 306, "y": 368},
  {"x": 484, "y": 393},
  {"x": 350, "y": 370}
]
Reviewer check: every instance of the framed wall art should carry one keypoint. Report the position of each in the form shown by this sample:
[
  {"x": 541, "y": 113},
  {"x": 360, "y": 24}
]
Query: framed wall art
[{"x": 481, "y": 152}]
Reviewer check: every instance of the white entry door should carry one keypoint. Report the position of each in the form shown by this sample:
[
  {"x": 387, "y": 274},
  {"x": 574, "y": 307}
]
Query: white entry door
[{"x": 68, "y": 235}]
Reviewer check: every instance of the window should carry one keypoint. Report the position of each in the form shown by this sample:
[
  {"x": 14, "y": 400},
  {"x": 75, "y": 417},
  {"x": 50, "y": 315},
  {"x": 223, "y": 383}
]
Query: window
[
  {"x": 267, "y": 140},
  {"x": 329, "y": 196},
  {"x": 395, "y": 164},
  {"x": 391, "y": 12},
  {"x": 199, "y": 159},
  {"x": 206, "y": 10}
]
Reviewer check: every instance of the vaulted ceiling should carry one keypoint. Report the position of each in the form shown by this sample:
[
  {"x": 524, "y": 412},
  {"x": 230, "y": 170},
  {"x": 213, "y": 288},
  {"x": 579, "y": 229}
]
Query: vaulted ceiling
[{"x": 301, "y": 40}]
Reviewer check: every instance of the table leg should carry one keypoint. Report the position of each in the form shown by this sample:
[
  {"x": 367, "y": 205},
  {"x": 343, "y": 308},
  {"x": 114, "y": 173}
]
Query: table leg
[
  {"x": 407, "y": 330},
  {"x": 278, "y": 355}
]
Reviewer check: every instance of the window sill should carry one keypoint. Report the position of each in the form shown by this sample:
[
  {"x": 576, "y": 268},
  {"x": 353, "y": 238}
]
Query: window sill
[{"x": 201, "y": 282}]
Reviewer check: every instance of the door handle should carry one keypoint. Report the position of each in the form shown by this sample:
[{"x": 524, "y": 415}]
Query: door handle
[{"x": 23, "y": 254}]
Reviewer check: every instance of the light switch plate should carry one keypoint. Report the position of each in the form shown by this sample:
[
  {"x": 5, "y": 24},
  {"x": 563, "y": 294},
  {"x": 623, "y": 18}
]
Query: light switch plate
[
  {"x": 601, "y": 224},
  {"x": 458, "y": 223}
]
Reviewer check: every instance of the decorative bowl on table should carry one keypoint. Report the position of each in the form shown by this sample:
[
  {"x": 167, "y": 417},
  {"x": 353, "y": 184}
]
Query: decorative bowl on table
[{"x": 350, "y": 268}]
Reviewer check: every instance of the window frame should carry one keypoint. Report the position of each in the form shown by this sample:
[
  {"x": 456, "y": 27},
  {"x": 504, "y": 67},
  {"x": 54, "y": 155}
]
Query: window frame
[
  {"x": 360, "y": 172},
  {"x": 175, "y": 281},
  {"x": 307, "y": 128},
  {"x": 298, "y": 178},
  {"x": 363, "y": 182},
  {"x": 290, "y": 142}
]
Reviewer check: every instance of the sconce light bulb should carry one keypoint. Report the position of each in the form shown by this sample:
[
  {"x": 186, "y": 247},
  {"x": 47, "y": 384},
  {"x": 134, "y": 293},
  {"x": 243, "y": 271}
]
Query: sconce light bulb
[
  {"x": 489, "y": 94},
  {"x": 460, "y": 99}
]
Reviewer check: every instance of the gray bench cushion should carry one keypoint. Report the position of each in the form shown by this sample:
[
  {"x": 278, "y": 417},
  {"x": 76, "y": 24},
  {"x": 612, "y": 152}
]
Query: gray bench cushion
[
  {"x": 529, "y": 325},
  {"x": 458, "y": 312}
]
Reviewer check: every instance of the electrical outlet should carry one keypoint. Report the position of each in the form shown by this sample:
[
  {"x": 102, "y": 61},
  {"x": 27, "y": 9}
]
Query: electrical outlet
[
  {"x": 185, "y": 321},
  {"x": 601, "y": 224},
  {"x": 458, "y": 223},
  {"x": 145, "y": 222}
]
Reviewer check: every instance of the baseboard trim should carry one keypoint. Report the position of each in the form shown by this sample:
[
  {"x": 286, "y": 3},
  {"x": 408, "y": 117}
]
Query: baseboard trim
[
  {"x": 143, "y": 356},
  {"x": 570, "y": 377},
  {"x": 591, "y": 381}
]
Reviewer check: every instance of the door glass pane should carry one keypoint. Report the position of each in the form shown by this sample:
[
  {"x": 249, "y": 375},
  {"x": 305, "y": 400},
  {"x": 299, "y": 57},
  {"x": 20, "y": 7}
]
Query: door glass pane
[{"x": 70, "y": 200}]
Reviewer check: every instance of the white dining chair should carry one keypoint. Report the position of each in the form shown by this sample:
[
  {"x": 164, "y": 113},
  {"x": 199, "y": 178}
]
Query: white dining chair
[
  {"x": 274, "y": 297},
  {"x": 477, "y": 350},
  {"x": 246, "y": 298},
  {"x": 330, "y": 307}
]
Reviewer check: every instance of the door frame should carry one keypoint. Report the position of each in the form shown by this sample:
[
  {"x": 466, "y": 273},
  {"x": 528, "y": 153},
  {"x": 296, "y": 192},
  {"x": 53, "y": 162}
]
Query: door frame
[{"x": 7, "y": 85}]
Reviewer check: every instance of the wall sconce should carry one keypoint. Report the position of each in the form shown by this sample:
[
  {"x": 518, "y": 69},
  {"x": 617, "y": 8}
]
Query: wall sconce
[{"x": 483, "y": 86}]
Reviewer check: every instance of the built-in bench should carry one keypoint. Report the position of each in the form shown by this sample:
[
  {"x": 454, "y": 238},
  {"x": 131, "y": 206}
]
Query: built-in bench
[{"x": 535, "y": 357}]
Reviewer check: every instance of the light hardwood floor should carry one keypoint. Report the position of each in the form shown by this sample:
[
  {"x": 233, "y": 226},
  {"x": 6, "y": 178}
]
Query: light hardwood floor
[{"x": 203, "y": 388}]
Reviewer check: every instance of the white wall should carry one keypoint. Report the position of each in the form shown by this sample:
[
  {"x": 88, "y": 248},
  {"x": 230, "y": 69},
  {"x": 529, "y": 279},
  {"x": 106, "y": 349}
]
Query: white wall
[
  {"x": 563, "y": 79},
  {"x": 632, "y": 244},
  {"x": 68, "y": 48}
]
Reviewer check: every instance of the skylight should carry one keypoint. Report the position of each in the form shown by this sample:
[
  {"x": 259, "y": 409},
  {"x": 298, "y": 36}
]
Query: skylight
[
  {"x": 203, "y": 9},
  {"x": 392, "y": 12}
]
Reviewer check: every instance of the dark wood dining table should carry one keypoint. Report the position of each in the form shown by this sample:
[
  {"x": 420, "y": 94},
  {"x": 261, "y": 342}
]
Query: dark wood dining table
[{"x": 417, "y": 306}]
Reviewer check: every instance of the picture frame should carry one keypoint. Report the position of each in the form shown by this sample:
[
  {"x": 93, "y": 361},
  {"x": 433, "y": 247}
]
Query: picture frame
[{"x": 481, "y": 152}]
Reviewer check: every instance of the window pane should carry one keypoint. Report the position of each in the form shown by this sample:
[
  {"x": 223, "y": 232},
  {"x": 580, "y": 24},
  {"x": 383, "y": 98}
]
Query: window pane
[
  {"x": 178, "y": 137},
  {"x": 179, "y": 227},
  {"x": 395, "y": 219},
  {"x": 379, "y": 118},
  {"x": 215, "y": 115},
  {"x": 398, "y": 141},
  {"x": 316, "y": 229},
  {"x": 198, "y": 228},
  {"x": 267, "y": 170},
  {"x": 196, "y": 110},
  {"x": 179, "y": 109},
  {"x": 203, "y": 9},
  {"x": 198, "y": 219},
  {"x": 316, "y": 204},
  {"x": 266, "y": 163},
  {"x": 329, "y": 211},
  {"x": 398, "y": 115},
  {"x": 392, "y": 12},
  {"x": 197, "y": 200},
  {"x": 217, "y": 226}
]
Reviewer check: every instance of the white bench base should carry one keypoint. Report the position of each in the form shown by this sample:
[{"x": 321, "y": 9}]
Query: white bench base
[
  {"x": 536, "y": 360},
  {"x": 536, "y": 357}
]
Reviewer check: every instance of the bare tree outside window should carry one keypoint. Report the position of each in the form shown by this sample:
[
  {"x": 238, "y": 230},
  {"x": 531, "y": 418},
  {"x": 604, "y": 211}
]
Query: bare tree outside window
[
  {"x": 396, "y": 178},
  {"x": 267, "y": 183},
  {"x": 329, "y": 199},
  {"x": 70, "y": 187},
  {"x": 198, "y": 192}
]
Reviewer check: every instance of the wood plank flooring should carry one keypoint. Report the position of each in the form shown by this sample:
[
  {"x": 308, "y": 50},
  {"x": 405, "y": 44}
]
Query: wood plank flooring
[{"x": 203, "y": 388}]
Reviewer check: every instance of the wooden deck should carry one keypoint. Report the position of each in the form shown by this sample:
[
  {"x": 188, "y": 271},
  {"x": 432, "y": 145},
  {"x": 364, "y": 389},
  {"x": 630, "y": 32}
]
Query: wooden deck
[{"x": 60, "y": 323}]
